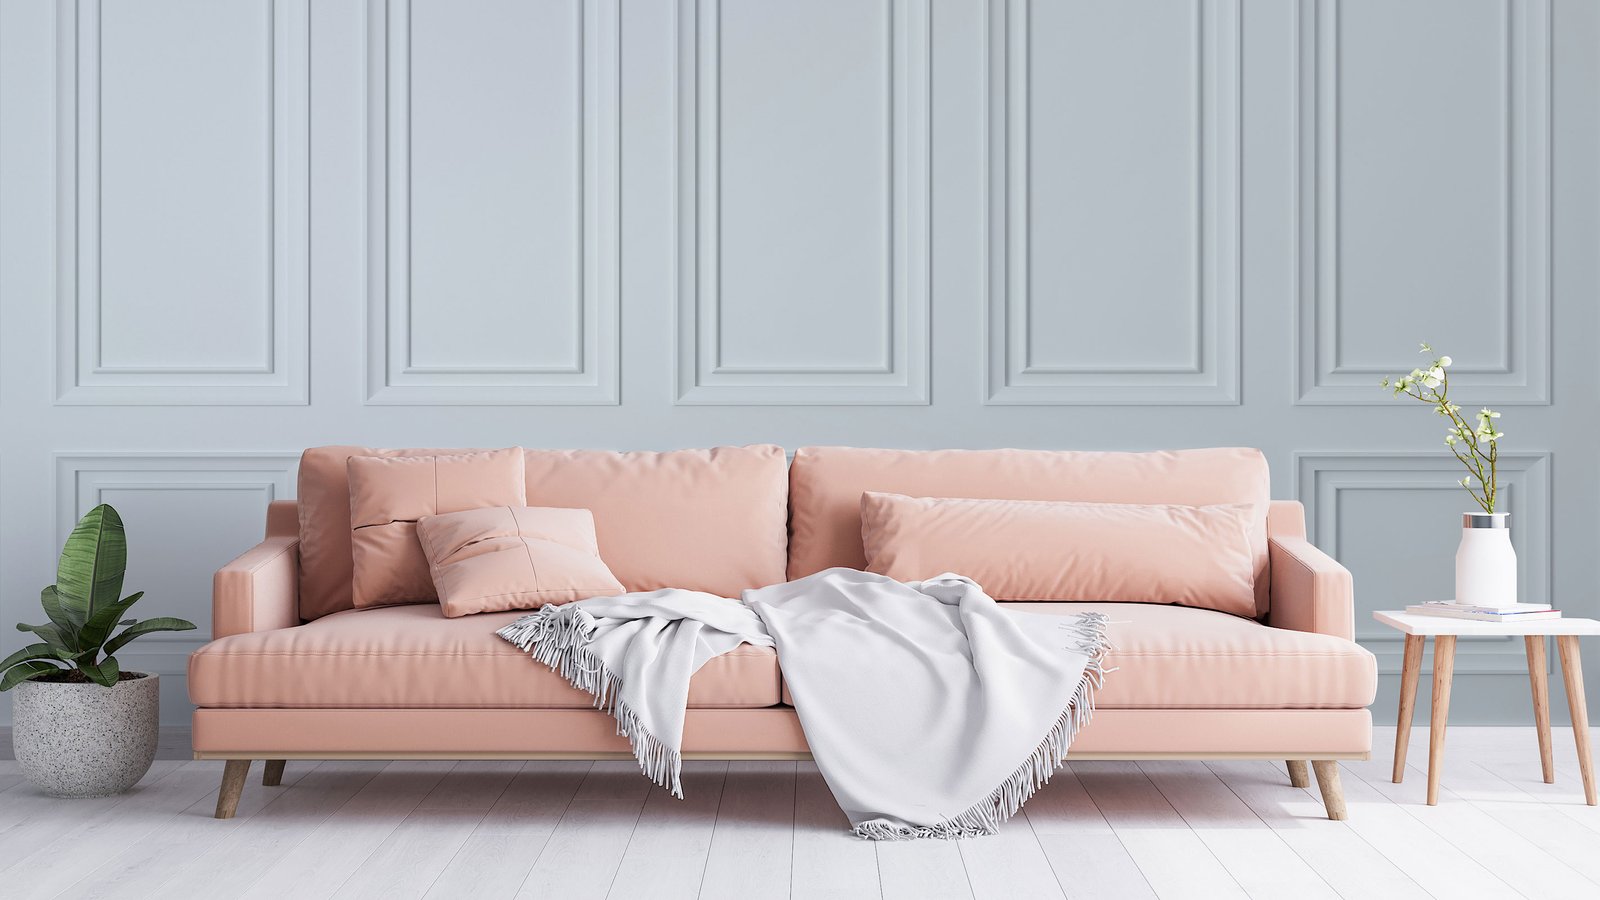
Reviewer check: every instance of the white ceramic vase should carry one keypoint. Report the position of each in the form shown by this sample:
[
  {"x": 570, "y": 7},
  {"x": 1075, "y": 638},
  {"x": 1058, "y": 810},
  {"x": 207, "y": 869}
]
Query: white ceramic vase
[
  {"x": 1486, "y": 564},
  {"x": 84, "y": 740}
]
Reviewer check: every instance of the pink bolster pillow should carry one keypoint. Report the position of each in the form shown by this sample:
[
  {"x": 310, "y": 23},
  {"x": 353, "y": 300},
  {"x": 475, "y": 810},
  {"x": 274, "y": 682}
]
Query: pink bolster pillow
[{"x": 1064, "y": 550}]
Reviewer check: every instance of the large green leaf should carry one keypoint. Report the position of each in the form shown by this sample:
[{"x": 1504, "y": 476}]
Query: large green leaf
[
  {"x": 93, "y": 561},
  {"x": 32, "y": 651},
  {"x": 99, "y": 626},
  {"x": 160, "y": 623},
  {"x": 65, "y": 619},
  {"x": 103, "y": 673},
  {"x": 52, "y": 636},
  {"x": 20, "y": 673}
]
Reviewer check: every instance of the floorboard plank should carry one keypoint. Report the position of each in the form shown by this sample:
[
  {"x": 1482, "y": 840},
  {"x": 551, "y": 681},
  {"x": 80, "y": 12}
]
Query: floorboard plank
[
  {"x": 666, "y": 856},
  {"x": 829, "y": 860},
  {"x": 1247, "y": 847},
  {"x": 472, "y": 784},
  {"x": 418, "y": 851},
  {"x": 921, "y": 870},
  {"x": 496, "y": 858},
  {"x": 582, "y": 854},
  {"x": 35, "y": 865},
  {"x": 1562, "y": 797},
  {"x": 331, "y": 852},
  {"x": 412, "y": 856},
  {"x": 1350, "y": 865},
  {"x": 1413, "y": 847},
  {"x": 752, "y": 848},
  {"x": 27, "y": 806},
  {"x": 1088, "y": 858},
  {"x": 1172, "y": 857},
  {"x": 1009, "y": 865},
  {"x": 1528, "y": 816},
  {"x": 1517, "y": 861},
  {"x": 223, "y": 858}
]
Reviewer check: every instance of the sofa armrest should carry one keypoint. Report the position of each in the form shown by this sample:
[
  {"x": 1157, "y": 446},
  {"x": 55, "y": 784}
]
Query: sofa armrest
[
  {"x": 1310, "y": 590},
  {"x": 258, "y": 591}
]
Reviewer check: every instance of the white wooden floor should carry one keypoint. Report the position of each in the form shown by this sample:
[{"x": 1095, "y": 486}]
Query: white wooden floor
[{"x": 754, "y": 830}]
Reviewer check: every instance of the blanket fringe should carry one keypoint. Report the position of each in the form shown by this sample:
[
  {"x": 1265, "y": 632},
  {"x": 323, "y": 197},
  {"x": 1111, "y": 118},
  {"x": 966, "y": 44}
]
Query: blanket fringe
[
  {"x": 986, "y": 816},
  {"x": 558, "y": 637}
]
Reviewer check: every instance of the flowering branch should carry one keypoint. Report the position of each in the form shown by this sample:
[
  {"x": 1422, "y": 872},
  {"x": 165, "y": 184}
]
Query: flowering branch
[{"x": 1476, "y": 446}]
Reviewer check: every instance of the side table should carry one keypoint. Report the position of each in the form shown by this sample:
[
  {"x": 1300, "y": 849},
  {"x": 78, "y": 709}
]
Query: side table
[{"x": 1444, "y": 631}]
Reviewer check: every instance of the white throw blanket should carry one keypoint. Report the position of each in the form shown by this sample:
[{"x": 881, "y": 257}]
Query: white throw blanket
[{"x": 929, "y": 709}]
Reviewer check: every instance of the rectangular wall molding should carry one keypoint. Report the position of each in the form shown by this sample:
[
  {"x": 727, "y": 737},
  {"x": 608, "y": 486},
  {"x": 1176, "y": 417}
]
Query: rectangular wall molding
[
  {"x": 116, "y": 252},
  {"x": 186, "y": 515},
  {"x": 1204, "y": 366},
  {"x": 1413, "y": 545},
  {"x": 896, "y": 371},
  {"x": 1519, "y": 251},
  {"x": 578, "y": 367}
]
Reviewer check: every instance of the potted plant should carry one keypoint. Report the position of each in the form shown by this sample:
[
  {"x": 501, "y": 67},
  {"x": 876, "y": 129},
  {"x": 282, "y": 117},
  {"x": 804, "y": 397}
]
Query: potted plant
[
  {"x": 1486, "y": 563},
  {"x": 82, "y": 726}
]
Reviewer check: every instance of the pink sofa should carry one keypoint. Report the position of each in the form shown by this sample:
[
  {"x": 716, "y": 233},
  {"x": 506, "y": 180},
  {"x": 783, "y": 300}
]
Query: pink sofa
[{"x": 295, "y": 673}]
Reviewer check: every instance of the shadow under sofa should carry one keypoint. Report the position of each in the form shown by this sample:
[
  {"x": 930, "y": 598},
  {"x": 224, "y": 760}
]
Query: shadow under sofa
[{"x": 291, "y": 676}]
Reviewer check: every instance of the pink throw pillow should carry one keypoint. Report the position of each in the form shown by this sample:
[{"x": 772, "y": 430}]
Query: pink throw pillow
[
  {"x": 389, "y": 495},
  {"x": 1063, "y": 550},
  {"x": 514, "y": 557}
]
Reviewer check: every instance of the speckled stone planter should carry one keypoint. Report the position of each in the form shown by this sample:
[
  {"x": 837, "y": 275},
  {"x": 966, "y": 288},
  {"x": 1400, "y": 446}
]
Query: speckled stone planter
[{"x": 84, "y": 740}]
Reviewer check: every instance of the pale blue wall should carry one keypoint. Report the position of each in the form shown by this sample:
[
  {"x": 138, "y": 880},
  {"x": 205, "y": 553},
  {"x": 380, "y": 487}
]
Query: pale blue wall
[{"x": 226, "y": 236}]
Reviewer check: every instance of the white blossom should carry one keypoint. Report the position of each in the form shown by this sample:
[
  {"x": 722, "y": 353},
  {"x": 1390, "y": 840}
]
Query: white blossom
[{"x": 1444, "y": 362}]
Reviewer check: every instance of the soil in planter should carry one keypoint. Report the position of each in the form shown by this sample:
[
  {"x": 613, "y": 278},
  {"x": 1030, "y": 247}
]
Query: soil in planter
[{"x": 74, "y": 676}]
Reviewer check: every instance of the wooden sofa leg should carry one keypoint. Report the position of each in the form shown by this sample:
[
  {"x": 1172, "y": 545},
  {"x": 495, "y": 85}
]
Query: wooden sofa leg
[
  {"x": 234, "y": 772},
  {"x": 1332, "y": 791},
  {"x": 272, "y": 776},
  {"x": 1299, "y": 773}
]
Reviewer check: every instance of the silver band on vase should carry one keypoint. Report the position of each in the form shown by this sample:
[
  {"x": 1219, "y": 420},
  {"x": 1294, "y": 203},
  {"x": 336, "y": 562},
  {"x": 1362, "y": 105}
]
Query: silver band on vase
[{"x": 1484, "y": 520}]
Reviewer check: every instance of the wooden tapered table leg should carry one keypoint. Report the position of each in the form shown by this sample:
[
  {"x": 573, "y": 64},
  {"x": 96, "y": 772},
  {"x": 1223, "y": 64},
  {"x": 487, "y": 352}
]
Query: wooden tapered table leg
[
  {"x": 1409, "y": 671},
  {"x": 1572, "y": 671},
  {"x": 1539, "y": 680},
  {"x": 1444, "y": 666}
]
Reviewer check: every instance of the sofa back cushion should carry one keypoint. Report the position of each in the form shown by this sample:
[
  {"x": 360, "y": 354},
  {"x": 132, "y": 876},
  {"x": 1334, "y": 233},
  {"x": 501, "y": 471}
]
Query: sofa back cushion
[
  {"x": 1066, "y": 550},
  {"x": 826, "y": 484},
  {"x": 388, "y": 495},
  {"x": 705, "y": 520}
]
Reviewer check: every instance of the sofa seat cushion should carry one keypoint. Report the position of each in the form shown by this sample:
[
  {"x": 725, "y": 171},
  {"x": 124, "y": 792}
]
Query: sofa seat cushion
[
  {"x": 413, "y": 657},
  {"x": 1178, "y": 657}
]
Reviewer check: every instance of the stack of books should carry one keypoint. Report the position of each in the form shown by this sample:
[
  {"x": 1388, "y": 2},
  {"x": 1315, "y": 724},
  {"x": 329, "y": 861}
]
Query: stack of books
[{"x": 1521, "y": 612}]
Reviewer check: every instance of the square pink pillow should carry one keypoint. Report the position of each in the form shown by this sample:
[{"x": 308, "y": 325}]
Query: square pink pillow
[
  {"x": 389, "y": 495},
  {"x": 1064, "y": 550},
  {"x": 514, "y": 557}
]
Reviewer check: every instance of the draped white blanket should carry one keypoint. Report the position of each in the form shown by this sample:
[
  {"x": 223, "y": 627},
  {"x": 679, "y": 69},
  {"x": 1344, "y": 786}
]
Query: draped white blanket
[{"x": 930, "y": 710}]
